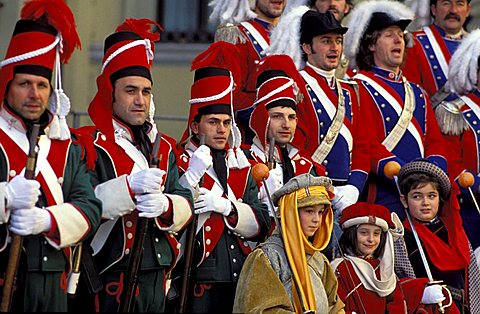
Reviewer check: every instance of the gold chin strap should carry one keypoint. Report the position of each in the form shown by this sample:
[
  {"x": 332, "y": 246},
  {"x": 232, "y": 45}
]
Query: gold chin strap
[{"x": 297, "y": 245}]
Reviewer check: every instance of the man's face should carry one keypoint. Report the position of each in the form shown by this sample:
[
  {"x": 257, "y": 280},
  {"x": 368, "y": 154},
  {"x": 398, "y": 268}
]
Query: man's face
[
  {"x": 131, "y": 102},
  {"x": 269, "y": 9},
  {"x": 28, "y": 95},
  {"x": 282, "y": 126},
  {"x": 339, "y": 8},
  {"x": 325, "y": 51},
  {"x": 388, "y": 51},
  {"x": 216, "y": 127},
  {"x": 450, "y": 15}
]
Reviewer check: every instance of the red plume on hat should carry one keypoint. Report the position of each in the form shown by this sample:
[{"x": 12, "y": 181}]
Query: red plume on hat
[
  {"x": 128, "y": 52},
  {"x": 217, "y": 72},
  {"x": 35, "y": 48},
  {"x": 221, "y": 55},
  {"x": 142, "y": 27},
  {"x": 59, "y": 15}
]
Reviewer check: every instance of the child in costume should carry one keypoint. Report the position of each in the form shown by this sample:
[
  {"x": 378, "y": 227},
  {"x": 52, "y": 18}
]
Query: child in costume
[
  {"x": 288, "y": 272},
  {"x": 431, "y": 200},
  {"x": 365, "y": 272}
]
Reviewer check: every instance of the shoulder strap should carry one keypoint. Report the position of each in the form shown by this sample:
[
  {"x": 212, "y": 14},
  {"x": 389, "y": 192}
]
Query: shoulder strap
[{"x": 326, "y": 145}]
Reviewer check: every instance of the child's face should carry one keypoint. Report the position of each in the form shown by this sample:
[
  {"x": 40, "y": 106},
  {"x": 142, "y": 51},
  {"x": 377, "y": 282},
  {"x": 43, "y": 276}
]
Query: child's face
[
  {"x": 368, "y": 239},
  {"x": 422, "y": 202},
  {"x": 310, "y": 218}
]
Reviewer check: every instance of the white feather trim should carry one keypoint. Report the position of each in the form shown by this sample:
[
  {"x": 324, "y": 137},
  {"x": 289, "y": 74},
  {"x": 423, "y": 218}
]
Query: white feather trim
[
  {"x": 463, "y": 68},
  {"x": 285, "y": 38},
  {"x": 292, "y": 4},
  {"x": 421, "y": 8},
  {"x": 230, "y": 11},
  {"x": 360, "y": 19}
]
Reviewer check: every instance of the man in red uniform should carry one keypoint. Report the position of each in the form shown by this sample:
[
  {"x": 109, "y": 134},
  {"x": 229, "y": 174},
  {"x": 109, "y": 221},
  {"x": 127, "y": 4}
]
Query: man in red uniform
[
  {"x": 402, "y": 123},
  {"x": 327, "y": 126},
  {"x": 275, "y": 118},
  {"x": 120, "y": 151},
  {"x": 254, "y": 22},
  {"x": 460, "y": 127},
  {"x": 57, "y": 208},
  {"x": 427, "y": 61},
  {"x": 218, "y": 174}
]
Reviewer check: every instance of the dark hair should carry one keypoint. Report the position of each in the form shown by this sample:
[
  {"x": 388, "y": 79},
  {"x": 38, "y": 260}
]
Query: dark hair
[
  {"x": 431, "y": 2},
  {"x": 304, "y": 54},
  {"x": 348, "y": 242},
  {"x": 364, "y": 57},
  {"x": 349, "y": 2},
  {"x": 417, "y": 180}
]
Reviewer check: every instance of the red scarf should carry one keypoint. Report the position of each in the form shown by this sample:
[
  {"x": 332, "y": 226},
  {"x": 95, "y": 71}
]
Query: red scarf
[{"x": 457, "y": 250}]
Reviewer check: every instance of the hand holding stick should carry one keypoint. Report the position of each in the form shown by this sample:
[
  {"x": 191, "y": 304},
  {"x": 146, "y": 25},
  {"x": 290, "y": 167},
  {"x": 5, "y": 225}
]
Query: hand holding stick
[
  {"x": 260, "y": 172},
  {"x": 189, "y": 248},
  {"x": 17, "y": 240},
  {"x": 391, "y": 170}
]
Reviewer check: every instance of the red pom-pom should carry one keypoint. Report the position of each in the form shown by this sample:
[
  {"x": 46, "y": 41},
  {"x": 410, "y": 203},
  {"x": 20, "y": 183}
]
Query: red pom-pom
[
  {"x": 142, "y": 27},
  {"x": 59, "y": 15}
]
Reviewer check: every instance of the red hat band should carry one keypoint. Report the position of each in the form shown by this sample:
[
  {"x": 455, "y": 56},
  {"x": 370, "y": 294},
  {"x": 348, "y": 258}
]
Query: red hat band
[
  {"x": 275, "y": 89},
  {"x": 365, "y": 213}
]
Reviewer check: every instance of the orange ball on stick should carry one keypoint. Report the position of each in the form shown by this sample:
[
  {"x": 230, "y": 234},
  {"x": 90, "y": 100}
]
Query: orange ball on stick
[
  {"x": 260, "y": 171},
  {"x": 466, "y": 179},
  {"x": 391, "y": 169}
]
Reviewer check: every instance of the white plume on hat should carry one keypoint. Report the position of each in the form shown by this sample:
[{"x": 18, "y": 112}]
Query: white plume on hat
[
  {"x": 360, "y": 19},
  {"x": 463, "y": 68},
  {"x": 231, "y": 11},
  {"x": 421, "y": 8},
  {"x": 285, "y": 38}
]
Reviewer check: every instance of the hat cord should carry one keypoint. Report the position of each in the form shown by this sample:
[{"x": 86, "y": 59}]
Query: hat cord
[
  {"x": 148, "y": 50},
  {"x": 273, "y": 92},
  {"x": 31, "y": 54},
  {"x": 214, "y": 97}
]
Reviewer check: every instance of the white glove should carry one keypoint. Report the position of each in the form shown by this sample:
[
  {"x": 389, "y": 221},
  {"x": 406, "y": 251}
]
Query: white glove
[
  {"x": 152, "y": 205},
  {"x": 30, "y": 221},
  {"x": 22, "y": 193},
  {"x": 199, "y": 163},
  {"x": 432, "y": 295},
  {"x": 146, "y": 181},
  {"x": 273, "y": 182},
  {"x": 345, "y": 196},
  {"x": 208, "y": 202}
]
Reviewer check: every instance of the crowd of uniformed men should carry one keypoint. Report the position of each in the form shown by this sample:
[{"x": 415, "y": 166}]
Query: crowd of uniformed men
[{"x": 330, "y": 108}]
